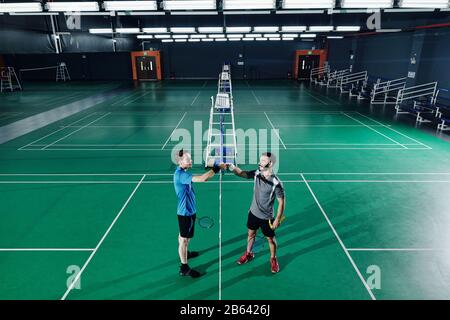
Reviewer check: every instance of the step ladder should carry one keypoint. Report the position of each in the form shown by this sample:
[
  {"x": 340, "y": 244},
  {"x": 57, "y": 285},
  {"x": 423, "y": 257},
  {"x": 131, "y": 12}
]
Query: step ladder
[
  {"x": 9, "y": 80},
  {"x": 221, "y": 145},
  {"x": 62, "y": 73}
]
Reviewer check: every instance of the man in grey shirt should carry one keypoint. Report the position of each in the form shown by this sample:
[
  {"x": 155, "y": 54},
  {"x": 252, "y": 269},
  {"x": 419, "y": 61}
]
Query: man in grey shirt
[{"x": 261, "y": 214}]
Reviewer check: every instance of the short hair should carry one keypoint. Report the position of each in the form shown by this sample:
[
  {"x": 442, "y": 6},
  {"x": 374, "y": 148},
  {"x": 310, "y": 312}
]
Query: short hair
[{"x": 271, "y": 156}]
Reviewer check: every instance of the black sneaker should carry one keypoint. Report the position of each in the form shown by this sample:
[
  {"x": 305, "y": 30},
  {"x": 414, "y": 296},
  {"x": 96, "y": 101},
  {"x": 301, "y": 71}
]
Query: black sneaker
[
  {"x": 192, "y": 254},
  {"x": 190, "y": 272}
]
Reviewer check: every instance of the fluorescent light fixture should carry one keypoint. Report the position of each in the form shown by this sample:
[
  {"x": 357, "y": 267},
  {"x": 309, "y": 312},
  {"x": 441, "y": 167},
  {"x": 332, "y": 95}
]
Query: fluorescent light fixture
[
  {"x": 162, "y": 36},
  {"x": 180, "y": 40},
  {"x": 290, "y": 35},
  {"x": 248, "y": 4},
  {"x": 254, "y": 35},
  {"x": 189, "y": 5},
  {"x": 128, "y": 30},
  {"x": 293, "y": 28},
  {"x": 424, "y": 4},
  {"x": 367, "y": 4},
  {"x": 236, "y": 35},
  {"x": 194, "y": 13},
  {"x": 238, "y": 29},
  {"x": 308, "y": 4},
  {"x": 274, "y": 39},
  {"x": 248, "y": 39},
  {"x": 308, "y": 35},
  {"x": 194, "y": 40},
  {"x": 210, "y": 29},
  {"x": 234, "y": 39},
  {"x": 388, "y": 30},
  {"x": 167, "y": 40},
  {"x": 261, "y": 39},
  {"x": 207, "y": 40},
  {"x": 217, "y": 36},
  {"x": 155, "y": 30},
  {"x": 142, "y": 36},
  {"x": 100, "y": 31},
  {"x": 348, "y": 28},
  {"x": 299, "y": 11},
  {"x": 198, "y": 36},
  {"x": 236, "y": 12},
  {"x": 335, "y": 37},
  {"x": 220, "y": 39},
  {"x": 287, "y": 39},
  {"x": 271, "y": 35},
  {"x": 183, "y": 30},
  {"x": 321, "y": 28},
  {"x": 21, "y": 7},
  {"x": 130, "y": 5},
  {"x": 180, "y": 36},
  {"x": 72, "y": 6},
  {"x": 265, "y": 29}
]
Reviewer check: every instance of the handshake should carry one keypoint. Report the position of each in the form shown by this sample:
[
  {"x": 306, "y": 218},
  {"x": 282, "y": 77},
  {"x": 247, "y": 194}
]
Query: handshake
[{"x": 216, "y": 167}]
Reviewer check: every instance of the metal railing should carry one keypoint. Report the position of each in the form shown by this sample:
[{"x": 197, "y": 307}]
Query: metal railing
[
  {"x": 318, "y": 73},
  {"x": 333, "y": 78},
  {"x": 351, "y": 79},
  {"x": 386, "y": 92},
  {"x": 426, "y": 90}
]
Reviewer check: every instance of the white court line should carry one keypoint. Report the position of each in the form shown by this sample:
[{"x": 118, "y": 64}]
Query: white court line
[
  {"x": 309, "y": 94},
  {"x": 126, "y": 97},
  {"x": 396, "y": 131},
  {"x": 101, "y": 241},
  {"x": 339, "y": 239},
  {"x": 138, "y": 97},
  {"x": 43, "y": 249},
  {"x": 276, "y": 130},
  {"x": 254, "y": 95},
  {"x": 120, "y": 126},
  {"x": 378, "y": 181},
  {"x": 52, "y": 133},
  {"x": 159, "y": 149},
  {"x": 399, "y": 249},
  {"x": 322, "y": 125},
  {"x": 375, "y": 130},
  {"x": 199, "y": 91},
  {"x": 171, "y": 182},
  {"x": 198, "y": 146},
  {"x": 68, "y": 135},
  {"x": 173, "y": 131},
  {"x": 194, "y": 172}
]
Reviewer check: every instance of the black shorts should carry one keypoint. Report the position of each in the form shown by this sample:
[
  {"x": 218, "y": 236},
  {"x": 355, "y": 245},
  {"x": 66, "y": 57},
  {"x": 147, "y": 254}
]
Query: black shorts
[
  {"x": 186, "y": 224},
  {"x": 254, "y": 223}
]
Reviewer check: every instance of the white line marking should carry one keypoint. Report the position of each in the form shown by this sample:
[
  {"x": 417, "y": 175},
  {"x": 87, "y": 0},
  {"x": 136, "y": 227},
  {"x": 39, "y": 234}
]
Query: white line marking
[
  {"x": 55, "y": 132},
  {"x": 173, "y": 131},
  {"x": 395, "y": 131},
  {"x": 199, "y": 91},
  {"x": 170, "y": 181},
  {"x": 339, "y": 239},
  {"x": 101, "y": 240},
  {"x": 44, "y": 249},
  {"x": 126, "y": 97},
  {"x": 309, "y": 94},
  {"x": 170, "y": 174},
  {"x": 138, "y": 97},
  {"x": 276, "y": 130},
  {"x": 120, "y": 126},
  {"x": 399, "y": 249},
  {"x": 375, "y": 130},
  {"x": 68, "y": 135}
]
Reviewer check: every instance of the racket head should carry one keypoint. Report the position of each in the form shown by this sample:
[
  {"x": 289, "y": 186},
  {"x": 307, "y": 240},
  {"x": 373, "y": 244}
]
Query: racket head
[
  {"x": 259, "y": 244},
  {"x": 206, "y": 222}
]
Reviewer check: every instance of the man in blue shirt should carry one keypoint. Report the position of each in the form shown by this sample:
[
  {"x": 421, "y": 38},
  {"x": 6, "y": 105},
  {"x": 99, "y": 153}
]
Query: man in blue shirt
[{"x": 186, "y": 210}]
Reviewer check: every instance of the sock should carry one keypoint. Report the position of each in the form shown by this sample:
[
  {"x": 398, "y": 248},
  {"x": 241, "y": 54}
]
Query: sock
[{"x": 184, "y": 267}]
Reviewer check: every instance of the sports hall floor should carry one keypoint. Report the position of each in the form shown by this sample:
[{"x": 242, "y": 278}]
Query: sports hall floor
[{"x": 365, "y": 192}]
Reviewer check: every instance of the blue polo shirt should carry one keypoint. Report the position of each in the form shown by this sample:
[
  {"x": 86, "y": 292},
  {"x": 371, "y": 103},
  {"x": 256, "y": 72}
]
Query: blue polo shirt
[{"x": 182, "y": 181}]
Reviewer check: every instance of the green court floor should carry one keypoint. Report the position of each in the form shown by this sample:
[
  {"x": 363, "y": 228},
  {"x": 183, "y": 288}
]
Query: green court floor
[{"x": 92, "y": 194}]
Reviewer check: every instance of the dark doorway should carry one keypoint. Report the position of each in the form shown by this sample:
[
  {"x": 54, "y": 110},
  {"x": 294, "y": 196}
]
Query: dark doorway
[
  {"x": 146, "y": 68},
  {"x": 305, "y": 64}
]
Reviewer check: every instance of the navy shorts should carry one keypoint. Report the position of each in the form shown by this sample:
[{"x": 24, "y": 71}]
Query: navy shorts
[
  {"x": 254, "y": 223},
  {"x": 186, "y": 224}
]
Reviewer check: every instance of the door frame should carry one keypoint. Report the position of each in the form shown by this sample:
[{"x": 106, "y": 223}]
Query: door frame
[
  {"x": 305, "y": 58},
  {"x": 322, "y": 53},
  {"x": 156, "y": 54}
]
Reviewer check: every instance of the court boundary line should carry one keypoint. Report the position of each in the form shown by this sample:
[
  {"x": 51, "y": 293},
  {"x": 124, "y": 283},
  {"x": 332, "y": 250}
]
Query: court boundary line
[
  {"x": 254, "y": 95},
  {"x": 71, "y": 133},
  {"x": 309, "y": 94},
  {"x": 276, "y": 130},
  {"x": 199, "y": 92},
  {"x": 382, "y": 134},
  {"x": 53, "y": 132},
  {"x": 339, "y": 240},
  {"x": 44, "y": 249},
  {"x": 179, "y": 122},
  {"x": 397, "y": 249},
  {"x": 30, "y": 149},
  {"x": 101, "y": 240},
  {"x": 402, "y": 134}
]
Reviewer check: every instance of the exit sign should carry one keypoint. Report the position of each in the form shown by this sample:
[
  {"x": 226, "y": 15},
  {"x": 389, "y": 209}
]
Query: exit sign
[
  {"x": 145, "y": 53},
  {"x": 309, "y": 52}
]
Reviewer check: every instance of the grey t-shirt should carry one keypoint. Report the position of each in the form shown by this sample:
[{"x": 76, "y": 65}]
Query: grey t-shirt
[{"x": 264, "y": 193}]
